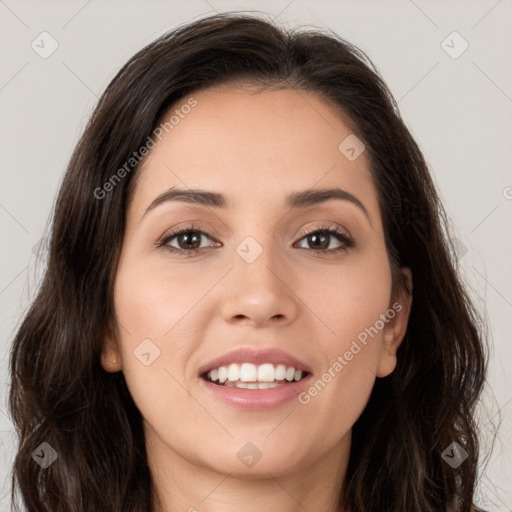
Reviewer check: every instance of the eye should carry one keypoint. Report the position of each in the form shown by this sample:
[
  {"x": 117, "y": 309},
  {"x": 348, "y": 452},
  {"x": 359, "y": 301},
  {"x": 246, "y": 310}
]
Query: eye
[
  {"x": 318, "y": 238},
  {"x": 188, "y": 240}
]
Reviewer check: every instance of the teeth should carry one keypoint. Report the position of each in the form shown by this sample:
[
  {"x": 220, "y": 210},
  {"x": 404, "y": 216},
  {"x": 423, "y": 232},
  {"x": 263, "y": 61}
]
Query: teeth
[
  {"x": 253, "y": 385},
  {"x": 248, "y": 372},
  {"x": 233, "y": 372},
  {"x": 290, "y": 374},
  {"x": 266, "y": 373},
  {"x": 268, "y": 385},
  {"x": 280, "y": 372},
  {"x": 223, "y": 374},
  {"x": 251, "y": 376}
]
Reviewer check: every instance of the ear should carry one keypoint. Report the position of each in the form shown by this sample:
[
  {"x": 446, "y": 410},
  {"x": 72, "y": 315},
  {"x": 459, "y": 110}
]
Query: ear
[
  {"x": 396, "y": 327},
  {"x": 111, "y": 355}
]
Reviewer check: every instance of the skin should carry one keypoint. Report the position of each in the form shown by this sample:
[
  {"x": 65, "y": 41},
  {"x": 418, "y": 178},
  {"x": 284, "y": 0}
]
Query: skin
[{"x": 255, "y": 149}]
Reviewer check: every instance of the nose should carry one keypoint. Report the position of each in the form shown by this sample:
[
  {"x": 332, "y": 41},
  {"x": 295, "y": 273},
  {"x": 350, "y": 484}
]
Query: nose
[{"x": 260, "y": 293}]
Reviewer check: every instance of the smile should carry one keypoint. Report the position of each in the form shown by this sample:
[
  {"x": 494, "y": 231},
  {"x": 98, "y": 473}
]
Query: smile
[
  {"x": 251, "y": 376},
  {"x": 252, "y": 379}
]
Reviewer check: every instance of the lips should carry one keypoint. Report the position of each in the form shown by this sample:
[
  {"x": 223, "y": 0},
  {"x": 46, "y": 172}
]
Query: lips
[{"x": 251, "y": 379}]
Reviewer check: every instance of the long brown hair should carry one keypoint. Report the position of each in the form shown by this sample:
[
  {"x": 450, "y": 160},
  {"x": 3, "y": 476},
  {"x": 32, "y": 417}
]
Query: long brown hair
[{"x": 60, "y": 394}]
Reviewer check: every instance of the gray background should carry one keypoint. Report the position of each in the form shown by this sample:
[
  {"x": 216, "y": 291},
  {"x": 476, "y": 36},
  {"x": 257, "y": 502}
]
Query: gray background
[{"x": 458, "y": 109}]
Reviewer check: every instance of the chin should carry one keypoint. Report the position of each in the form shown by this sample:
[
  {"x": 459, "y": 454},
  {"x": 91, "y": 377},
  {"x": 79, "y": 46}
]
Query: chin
[{"x": 250, "y": 460}]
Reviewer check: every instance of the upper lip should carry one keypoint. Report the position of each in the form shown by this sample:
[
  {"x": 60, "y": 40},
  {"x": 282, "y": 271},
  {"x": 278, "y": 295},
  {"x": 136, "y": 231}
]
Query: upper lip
[{"x": 255, "y": 356}]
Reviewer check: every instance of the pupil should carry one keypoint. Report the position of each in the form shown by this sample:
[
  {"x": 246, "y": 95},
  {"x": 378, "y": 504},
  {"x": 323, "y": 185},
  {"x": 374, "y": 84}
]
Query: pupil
[
  {"x": 192, "y": 235},
  {"x": 315, "y": 239}
]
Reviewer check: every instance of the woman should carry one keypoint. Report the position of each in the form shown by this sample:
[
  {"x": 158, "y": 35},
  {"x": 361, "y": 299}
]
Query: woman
[{"x": 250, "y": 301}]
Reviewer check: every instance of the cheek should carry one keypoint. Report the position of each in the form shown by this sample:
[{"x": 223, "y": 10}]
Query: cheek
[
  {"x": 351, "y": 305},
  {"x": 349, "y": 300},
  {"x": 153, "y": 300},
  {"x": 154, "y": 311}
]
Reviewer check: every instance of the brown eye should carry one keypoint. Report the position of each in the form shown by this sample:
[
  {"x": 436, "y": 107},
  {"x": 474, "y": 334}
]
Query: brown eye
[
  {"x": 320, "y": 239},
  {"x": 186, "y": 240},
  {"x": 189, "y": 240}
]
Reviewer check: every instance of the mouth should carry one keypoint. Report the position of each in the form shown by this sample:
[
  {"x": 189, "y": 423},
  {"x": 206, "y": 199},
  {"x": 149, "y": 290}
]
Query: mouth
[
  {"x": 252, "y": 376},
  {"x": 255, "y": 380}
]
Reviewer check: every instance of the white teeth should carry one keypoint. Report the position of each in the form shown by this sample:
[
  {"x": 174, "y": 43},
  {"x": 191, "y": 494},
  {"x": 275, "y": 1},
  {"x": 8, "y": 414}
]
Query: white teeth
[
  {"x": 268, "y": 385},
  {"x": 253, "y": 385},
  {"x": 251, "y": 376},
  {"x": 266, "y": 373},
  {"x": 248, "y": 372},
  {"x": 257, "y": 385},
  {"x": 223, "y": 374},
  {"x": 280, "y": 372},
  {"x": 233, "y": 372}
]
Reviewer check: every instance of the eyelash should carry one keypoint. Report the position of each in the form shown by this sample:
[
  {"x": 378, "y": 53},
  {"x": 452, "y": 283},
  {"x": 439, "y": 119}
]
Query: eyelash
[{"x": 342, "y": 236}]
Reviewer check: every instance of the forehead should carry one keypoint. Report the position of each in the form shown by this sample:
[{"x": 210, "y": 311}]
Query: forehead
[{"x": 253, "y": 145}]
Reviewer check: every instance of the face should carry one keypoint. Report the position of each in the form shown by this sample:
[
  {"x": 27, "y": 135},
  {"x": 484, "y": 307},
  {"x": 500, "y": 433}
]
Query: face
[{"x": 257, "y": 289}]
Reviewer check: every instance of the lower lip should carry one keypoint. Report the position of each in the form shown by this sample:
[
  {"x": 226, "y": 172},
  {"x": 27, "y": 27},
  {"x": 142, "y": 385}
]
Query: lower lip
[{"x": 256, "y": 399}]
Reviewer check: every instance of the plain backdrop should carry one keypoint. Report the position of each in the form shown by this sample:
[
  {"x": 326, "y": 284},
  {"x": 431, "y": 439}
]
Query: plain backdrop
[{"x": 457, "y": 102}]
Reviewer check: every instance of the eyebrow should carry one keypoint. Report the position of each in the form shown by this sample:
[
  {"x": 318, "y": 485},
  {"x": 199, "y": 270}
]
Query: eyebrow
[{"x": 295, "y": 200}]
